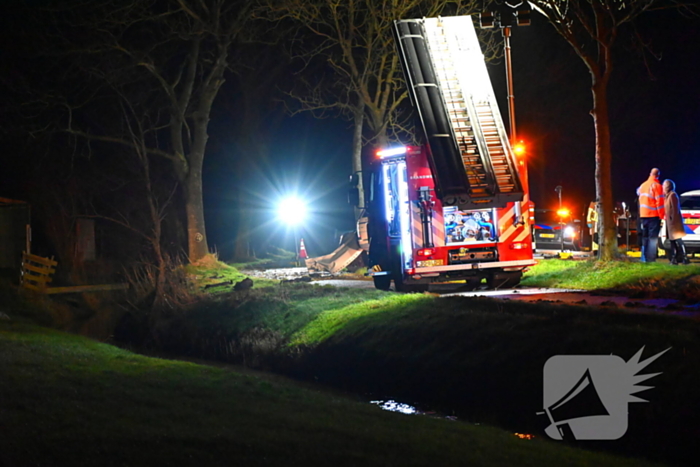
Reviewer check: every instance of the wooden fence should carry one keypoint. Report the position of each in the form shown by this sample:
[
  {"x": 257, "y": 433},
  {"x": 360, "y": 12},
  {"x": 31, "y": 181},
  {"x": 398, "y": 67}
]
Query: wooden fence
[{"x": 37, "y": 273}]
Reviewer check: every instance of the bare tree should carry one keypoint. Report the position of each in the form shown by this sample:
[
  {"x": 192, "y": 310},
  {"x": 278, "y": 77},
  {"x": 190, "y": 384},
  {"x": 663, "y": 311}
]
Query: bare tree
[
  {"x": 353, "y": 40},
  {"x": 176, "y": 53},
  {"x": 136, "y": 128},
  {"x": 592, "y": 28}
]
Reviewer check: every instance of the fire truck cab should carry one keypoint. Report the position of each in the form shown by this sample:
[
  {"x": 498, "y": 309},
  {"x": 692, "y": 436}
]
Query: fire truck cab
[{"x": 455, "y": 208}]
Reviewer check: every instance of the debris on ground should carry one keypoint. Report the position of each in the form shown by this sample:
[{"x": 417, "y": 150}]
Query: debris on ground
[
  {"x": 279, "y": 274},
  {"x": 245, "y": 284}
]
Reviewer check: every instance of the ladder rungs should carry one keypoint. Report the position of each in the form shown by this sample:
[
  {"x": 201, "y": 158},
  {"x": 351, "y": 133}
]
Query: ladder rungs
[{"x": 485, "y": 172}]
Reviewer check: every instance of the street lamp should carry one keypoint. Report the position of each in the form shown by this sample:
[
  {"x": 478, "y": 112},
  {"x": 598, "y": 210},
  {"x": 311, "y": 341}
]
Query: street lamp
[
  {"x": 293, "y": 213},
  {"x": 505, "y": 16},
  {"x": 558, "y": 190}
]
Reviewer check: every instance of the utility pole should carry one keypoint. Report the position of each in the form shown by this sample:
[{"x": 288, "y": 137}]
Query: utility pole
[{"x": 561, "y": 218}]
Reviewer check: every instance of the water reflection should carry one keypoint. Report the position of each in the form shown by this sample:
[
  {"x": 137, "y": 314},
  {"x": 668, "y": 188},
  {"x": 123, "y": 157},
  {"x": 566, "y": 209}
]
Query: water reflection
[{"x": 393, "y": 406}]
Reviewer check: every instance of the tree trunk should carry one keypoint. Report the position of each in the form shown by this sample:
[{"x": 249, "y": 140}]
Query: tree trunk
[
  {"x": 197, "y": 246},
  {"x": 160, "y": 292},
  {"x": 607, "y": 231},
  {"x": 357, "y": 158},
  {"x": 194, "y": 204}
]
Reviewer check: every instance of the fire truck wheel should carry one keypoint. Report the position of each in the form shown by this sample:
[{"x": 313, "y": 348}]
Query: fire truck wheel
[{"x": 382, "y": 282}]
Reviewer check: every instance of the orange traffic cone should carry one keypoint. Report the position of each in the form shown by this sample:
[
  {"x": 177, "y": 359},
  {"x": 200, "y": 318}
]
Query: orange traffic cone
[{"x": 302, "y": 250}]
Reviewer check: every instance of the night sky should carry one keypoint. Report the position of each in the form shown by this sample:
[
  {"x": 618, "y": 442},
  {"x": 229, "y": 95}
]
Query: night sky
[{"x": 654, "y": 113}]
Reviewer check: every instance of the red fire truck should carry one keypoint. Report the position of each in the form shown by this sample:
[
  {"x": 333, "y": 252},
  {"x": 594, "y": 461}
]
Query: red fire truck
[{"x": 455, "y": 208}]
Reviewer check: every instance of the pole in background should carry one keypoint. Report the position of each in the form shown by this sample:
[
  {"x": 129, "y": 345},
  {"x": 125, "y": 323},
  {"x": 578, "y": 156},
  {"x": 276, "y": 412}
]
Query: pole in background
[
  {"x": 561, "y": 218},
  {"x": 509, "y": 82},
  {"x": 504, "y": 17},
  {"x": 296, "y": 248}
]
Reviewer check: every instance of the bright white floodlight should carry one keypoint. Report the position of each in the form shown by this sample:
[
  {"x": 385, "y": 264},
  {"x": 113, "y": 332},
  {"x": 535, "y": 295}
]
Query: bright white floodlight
[{"x": 292, "y": 211}]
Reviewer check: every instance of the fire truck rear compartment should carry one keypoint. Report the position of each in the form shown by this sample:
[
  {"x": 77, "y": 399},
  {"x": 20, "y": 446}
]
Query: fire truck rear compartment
[{"x": 471, "y": 255}]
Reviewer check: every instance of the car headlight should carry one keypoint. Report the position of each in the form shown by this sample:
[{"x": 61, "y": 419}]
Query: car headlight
[{"x": 569, "y": 232}]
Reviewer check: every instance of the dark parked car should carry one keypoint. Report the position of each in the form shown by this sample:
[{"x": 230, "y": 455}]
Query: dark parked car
[{"x": 549, "y": 227}]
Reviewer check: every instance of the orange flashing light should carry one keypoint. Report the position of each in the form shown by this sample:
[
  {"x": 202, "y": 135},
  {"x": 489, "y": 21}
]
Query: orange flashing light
[
  {"x": 519, "y": 148},
  {"x": 563, "y": 212}
]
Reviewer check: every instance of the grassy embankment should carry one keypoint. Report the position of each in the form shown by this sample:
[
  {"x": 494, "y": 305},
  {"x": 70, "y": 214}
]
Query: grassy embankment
[
  {"x": 69, "y": 401},
  {"x": 481, "y": 359}
]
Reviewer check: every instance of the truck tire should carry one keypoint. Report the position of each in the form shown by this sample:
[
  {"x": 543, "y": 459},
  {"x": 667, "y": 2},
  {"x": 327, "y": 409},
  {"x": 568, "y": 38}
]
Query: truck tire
[{"x": 382, "y": 282}]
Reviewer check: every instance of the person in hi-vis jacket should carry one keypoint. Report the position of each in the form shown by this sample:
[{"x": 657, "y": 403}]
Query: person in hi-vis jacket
[{"x": 651, "y": 211}]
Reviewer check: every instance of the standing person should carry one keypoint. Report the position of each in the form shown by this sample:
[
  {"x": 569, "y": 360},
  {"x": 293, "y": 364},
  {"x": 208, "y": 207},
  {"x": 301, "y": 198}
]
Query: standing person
[
  {"x": 592, "y": 221},
  {"x": 675, "y": 230},
  {"x": 651, "y": 211}
]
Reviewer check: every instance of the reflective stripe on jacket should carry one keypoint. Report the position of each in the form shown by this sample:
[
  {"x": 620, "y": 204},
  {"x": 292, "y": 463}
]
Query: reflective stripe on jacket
[{"x": 651, "y": 198}]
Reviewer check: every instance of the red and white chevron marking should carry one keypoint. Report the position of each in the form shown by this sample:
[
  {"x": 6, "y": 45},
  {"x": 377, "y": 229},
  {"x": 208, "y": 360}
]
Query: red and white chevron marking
[
  {"x": 417, "y": 227},
  {"x": 508, "y": 228}
]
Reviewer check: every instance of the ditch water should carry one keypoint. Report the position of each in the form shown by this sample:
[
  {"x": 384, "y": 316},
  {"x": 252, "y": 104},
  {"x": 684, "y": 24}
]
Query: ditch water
[
  {"x": 407, "y": 409},
  {"x": 393, "y": 406}
]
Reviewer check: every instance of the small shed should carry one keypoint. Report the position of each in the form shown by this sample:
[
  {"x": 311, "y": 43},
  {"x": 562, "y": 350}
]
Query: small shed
[{"x": 14, "y": 232}]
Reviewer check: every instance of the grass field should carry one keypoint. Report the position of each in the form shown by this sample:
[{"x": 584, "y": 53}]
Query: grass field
[{"x": 69, "y": 401}]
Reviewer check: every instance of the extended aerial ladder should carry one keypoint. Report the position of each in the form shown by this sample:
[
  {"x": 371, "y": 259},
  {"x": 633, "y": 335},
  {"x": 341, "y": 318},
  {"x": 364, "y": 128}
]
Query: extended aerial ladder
[{"x": 469, "y": 151}]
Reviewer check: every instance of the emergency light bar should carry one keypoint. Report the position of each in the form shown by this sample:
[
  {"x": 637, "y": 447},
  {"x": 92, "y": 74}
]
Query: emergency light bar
[{"x": 391, "y": 152}]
